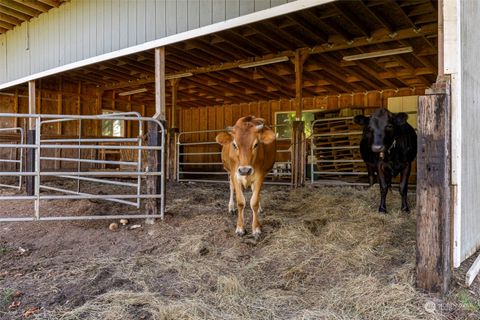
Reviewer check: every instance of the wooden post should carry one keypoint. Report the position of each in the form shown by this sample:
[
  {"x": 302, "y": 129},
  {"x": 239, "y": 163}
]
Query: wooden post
[
  {"x": 15, "y": 108},
  {"x": 172, "y": 137},
  {"x": 95, "y": 154},
  {"x": 129, "y": 123},
  {"x": 433, "y": 194},
  {"x": 30, "y": 158},
  {"x": 298, "y": 129},
  {"x": 298, "y": 154},
  {"x": 154, "y": 165},
  {"x": 298, "y": 85},
  {"x": 58, "y": 152},
  {"x": 160, "y": 92}
]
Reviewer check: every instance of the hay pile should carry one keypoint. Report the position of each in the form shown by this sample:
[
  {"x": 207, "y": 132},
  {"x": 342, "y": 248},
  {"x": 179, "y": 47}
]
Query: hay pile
[{"x": 325, "y": 254}]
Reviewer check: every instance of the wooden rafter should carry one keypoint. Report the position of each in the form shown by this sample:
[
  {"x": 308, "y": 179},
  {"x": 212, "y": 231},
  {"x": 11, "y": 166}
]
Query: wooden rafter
[
  {"x": 21, "y": 8},
  {"x": 326, "y": 33}
]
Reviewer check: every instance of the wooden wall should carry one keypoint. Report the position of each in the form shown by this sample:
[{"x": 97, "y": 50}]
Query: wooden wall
[{"x": 218, "y": 117}]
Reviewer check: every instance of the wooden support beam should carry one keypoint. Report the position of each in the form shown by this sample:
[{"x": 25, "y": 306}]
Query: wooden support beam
[
  {"x": 174, "y": 83},
  {"x": 160, "y": 91},
  {"x": 14, "y": 13},
  {"x": 433, "y": 264},
  {"x": 52, "y": 3},
  {"x": 382, "y": 36},
  {"x": 154, "y": 185},
  {"x": 298, "y": 154},
  {"x": 16, "y": 108},
  {"x": 10, "y": 19},
  {"x": 299, "y": 61},
  {"x": 172, "y": 134},
  {"x": 30, "y": 163},
  {"x": 58, "y": 152},
  {"x": 22, "y": 8},
  {"x": 30, "y": 159},
  {"x": 114, "y": 95},
  {"x": 31, "y": 103}
]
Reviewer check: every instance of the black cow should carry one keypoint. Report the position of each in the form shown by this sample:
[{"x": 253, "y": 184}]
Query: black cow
[{"x": 388, "y": 147}]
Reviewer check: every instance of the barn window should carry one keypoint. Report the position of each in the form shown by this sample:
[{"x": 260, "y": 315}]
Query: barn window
[
  {"x": 284, "y": 120},
  {"x": 112, "y": 128}
]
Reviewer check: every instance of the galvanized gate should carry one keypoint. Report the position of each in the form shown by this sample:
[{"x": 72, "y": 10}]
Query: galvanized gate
[
  {"x": 90, "y": 151},
  {"x": 15, "y": 158},
  {"x": 335, "y": 152},
  {"x": 199, "y": 159}
]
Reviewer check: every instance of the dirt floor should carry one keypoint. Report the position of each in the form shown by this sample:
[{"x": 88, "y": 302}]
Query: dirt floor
[{"x": 325, "y": 253}]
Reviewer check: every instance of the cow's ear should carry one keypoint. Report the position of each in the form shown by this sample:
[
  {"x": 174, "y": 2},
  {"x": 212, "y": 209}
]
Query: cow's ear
[
  {"x": 361, "y": 120},
  {"x": 267, "y": 136},
  {"x": 400, "y": 118},
  {"x": 223, "y": 138}
]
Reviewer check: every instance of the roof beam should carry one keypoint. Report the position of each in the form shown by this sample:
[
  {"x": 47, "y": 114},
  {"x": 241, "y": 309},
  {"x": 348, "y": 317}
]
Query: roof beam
[
  {"x": 10, "y": 19},
  {"x": 276, "y": 82},
  {"x": 14, "y": 13},
  {"x": 381, "y": 36},
  {"x": 6, "y": 25},
  {"x": 351, "y": 18},
  {"x": 51, "y": 3},
  {"x": 22, "y": 8},
  {"x": 34, "y": 5}
]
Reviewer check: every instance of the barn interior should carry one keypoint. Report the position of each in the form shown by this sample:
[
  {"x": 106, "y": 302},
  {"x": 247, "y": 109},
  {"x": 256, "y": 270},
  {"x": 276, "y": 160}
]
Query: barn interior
[{"x": 332, "y": 61}]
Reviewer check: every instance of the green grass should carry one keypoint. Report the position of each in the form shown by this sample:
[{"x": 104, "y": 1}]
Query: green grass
[
  {"x": 6, "y": 298},
  {"x": 468, "y": 302},
  {"x": 4, "y": 250}
]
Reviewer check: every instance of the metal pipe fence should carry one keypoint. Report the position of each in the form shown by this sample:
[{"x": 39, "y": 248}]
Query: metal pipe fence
[
  {"x": 335, "y": 157},
  {"x": 18, "y": 161},
  {"x": 43, "y": 191},
  {"x": 200, "y": 160}
]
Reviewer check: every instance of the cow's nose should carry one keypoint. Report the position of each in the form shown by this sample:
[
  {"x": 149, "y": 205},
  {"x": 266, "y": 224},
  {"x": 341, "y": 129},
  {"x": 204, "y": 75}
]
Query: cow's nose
[
  {"x": 245, "y": 170},
  {"x": 377, "y": 148}
]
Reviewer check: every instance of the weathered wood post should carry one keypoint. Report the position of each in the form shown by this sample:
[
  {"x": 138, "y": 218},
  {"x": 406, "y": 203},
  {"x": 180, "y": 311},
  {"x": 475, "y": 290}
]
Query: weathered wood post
[
  {"x": 298, "y": 154},
  {"x": 154, "y": 163},
  {"x": 173, "y": 133},
  {"x": 172, "y": 154},
  {"x": 155, "y": 184},
  {"x": 298, "y": 127},
  {"x": 433, "y": 194},
  {"x": 30, "y": 159}
]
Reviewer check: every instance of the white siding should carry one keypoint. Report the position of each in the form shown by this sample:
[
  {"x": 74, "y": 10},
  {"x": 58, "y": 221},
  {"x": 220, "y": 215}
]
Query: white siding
[
  {"x": 82, "y": 29},
  {"x": 3, "y": 58},
  {"x": 470, "y": 120}
]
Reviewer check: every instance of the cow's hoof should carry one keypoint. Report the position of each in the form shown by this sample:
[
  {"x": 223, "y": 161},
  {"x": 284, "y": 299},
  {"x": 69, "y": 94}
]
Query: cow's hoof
[
  {"x": 240, "y": 232},
  {"x": 256, "y": 233},
  {"x": 382, "y": 210},
  {"x": 406, "y": 209}
]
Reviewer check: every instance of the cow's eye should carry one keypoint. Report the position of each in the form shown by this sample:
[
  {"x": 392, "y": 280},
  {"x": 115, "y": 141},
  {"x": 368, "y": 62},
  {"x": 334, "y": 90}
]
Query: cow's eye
[
  {"x": 234, "y": 145},
  {"x": 255, "y": 145}
]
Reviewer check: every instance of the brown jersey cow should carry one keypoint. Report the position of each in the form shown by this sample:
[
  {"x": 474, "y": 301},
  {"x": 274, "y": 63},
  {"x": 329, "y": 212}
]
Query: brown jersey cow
[{"x": 248, "y": 154}]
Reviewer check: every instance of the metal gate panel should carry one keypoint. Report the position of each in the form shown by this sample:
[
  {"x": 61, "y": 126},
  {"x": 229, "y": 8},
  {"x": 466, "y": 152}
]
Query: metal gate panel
[
  {"x": 43, "y": 191},
  {"x": 200, "y": 161}
]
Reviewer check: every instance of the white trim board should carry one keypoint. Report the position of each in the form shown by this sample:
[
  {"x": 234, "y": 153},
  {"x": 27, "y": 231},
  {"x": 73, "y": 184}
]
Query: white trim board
[{"x": 217, "y": 27}]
